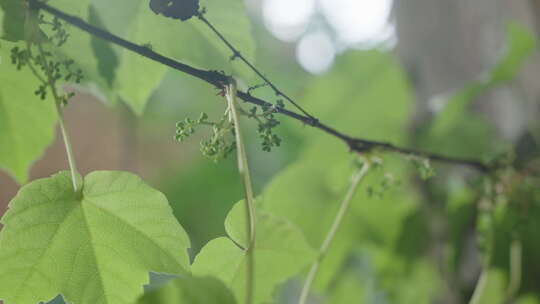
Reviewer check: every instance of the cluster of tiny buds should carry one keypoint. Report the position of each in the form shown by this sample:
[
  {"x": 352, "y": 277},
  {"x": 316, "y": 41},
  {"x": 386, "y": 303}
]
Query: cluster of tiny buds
[
  {"x": 45, "y": 65},
  {"x": 219, "y": 144},
  {"x": 22, "y": 57},
  {"x": 60, "y": 35},
  {"x": 387, "y": 182},
  {"x": 423, "y": 165},
  {"x": 266, "y": 123}
]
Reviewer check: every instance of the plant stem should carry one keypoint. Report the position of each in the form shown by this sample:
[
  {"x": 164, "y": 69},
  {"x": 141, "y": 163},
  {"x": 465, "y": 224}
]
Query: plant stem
[
  {"x": 480, "y": 286},
  {"x": 58, "y": 103},
  {"x": 217, "y": 79},
  {"x": 485, "y": 207},
  {"x": 248, "y": 191},
  {"x": 516, "y": 251},
  {"x": 345, "y": 204}
]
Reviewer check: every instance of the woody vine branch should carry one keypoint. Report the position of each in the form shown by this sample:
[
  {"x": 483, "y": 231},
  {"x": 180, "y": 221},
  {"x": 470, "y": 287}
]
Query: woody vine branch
[{"x": 220, "y": 80}]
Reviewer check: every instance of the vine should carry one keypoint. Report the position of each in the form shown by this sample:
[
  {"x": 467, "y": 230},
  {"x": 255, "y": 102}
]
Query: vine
[
  {"x": 243, "y": 168},
  {"x": 227, "y": 135},
  {"x": 218, "y": 79}
]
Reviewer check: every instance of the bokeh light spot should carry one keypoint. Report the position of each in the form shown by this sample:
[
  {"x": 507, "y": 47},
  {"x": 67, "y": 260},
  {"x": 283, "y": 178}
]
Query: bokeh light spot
[
  {"x": 287, "y": 19},
  {"x": 358, "y": 21},
  {"x": 315, "y": 52}
]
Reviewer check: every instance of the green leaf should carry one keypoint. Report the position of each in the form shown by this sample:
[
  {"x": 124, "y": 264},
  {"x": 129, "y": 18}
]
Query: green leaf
[
  {"x": 280, "y": 252},
  {"x": 493, "y": 289},
  {"x": 356, "y": 96},
  {"x": 190, "y": 41},
  {"x": 349, "y": 289},
  {"x": 108, "y": 60},
  {"x": 190, "y": 290},
  {"x": 530, "y": 298},
  {"x": 471, "y": 132},
  {"x": 84, "y": 50},
  {"x": 420, "y": 284},
  {"x": 27, "y": 123},
  {"x": 95, "y": 246},
  {"x": 12, "y": 23},
  {"x": 308, "y": 193},
  {"x": 521, "y": 43}
]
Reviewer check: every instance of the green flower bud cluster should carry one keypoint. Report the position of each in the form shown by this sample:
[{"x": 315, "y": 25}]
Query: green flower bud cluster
[
  {"x": 60, "y": 35},
  {"x": 266, "y": 124},
  {"x": 45, "y": 66},
  {"x": 222, "y": 140},
  {"x": 219, "y": 144},
  {"x": 19, "y": 57},
  {"x": 423, "y": 165},
  {"x": 386, "y": 184}
]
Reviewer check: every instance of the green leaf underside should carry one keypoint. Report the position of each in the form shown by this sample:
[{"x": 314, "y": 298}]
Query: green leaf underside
[
  {"x": 190, "y": 290},
  {"x": 84, "y": 49},
  {"x": 92, "y": 247},
  {"x": 27, "y": 123},
  {"x": 190, "y": 42},
  {"x": 132, "y": 77},
  {"x": 281, "y": 252}
]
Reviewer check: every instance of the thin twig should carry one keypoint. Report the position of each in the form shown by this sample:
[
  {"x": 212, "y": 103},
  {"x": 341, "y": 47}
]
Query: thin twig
[
  {"x": 238, "y": 54},
  {"x": 333, "y": 230},
  {"x": 243, "y": 169},
  {"x": 219, "y": 80}
]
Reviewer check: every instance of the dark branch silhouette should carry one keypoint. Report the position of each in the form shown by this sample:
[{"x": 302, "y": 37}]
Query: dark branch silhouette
[{"x": 220, "y": 80}]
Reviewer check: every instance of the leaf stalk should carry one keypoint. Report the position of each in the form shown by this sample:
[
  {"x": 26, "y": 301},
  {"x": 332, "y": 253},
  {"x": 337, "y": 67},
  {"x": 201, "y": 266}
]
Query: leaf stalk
[
  {"x": 344, "y": 207},
  {"x": 243, "y": 169},
  {"x": 50, "y": 82}
]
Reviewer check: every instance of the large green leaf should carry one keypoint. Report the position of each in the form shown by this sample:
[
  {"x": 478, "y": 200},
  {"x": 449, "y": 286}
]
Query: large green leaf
[
  {"x": 280, "y": 252},
  {"x": 365, "y": 94},
  {"x": 190, "y": 290},
  {"x": 96, "y": 246},
  {"x": 118, "y": 72},
  {"x": 27, "y": 123},
  {"x": 188, "y": 41}
]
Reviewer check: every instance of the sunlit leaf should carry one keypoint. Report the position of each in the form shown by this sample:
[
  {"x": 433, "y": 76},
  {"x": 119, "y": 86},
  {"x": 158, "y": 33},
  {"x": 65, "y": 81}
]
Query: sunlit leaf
[
  {"x": 27, "y": 123},
  {"x": 521, "y": 43},
  {"x": 188, "y": 41},
  {"x": 190, "y": 290},
  {"x": 280, "y": 252},
  {"x": 365, "y": 94},
  {"x": 12, "y": 20},
  {"x": 94, "y": 246},
  {"x": 492, "y": 289}
]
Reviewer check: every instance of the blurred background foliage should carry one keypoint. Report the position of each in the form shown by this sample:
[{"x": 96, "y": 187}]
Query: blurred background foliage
[{"x": 458, "y": 77}]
